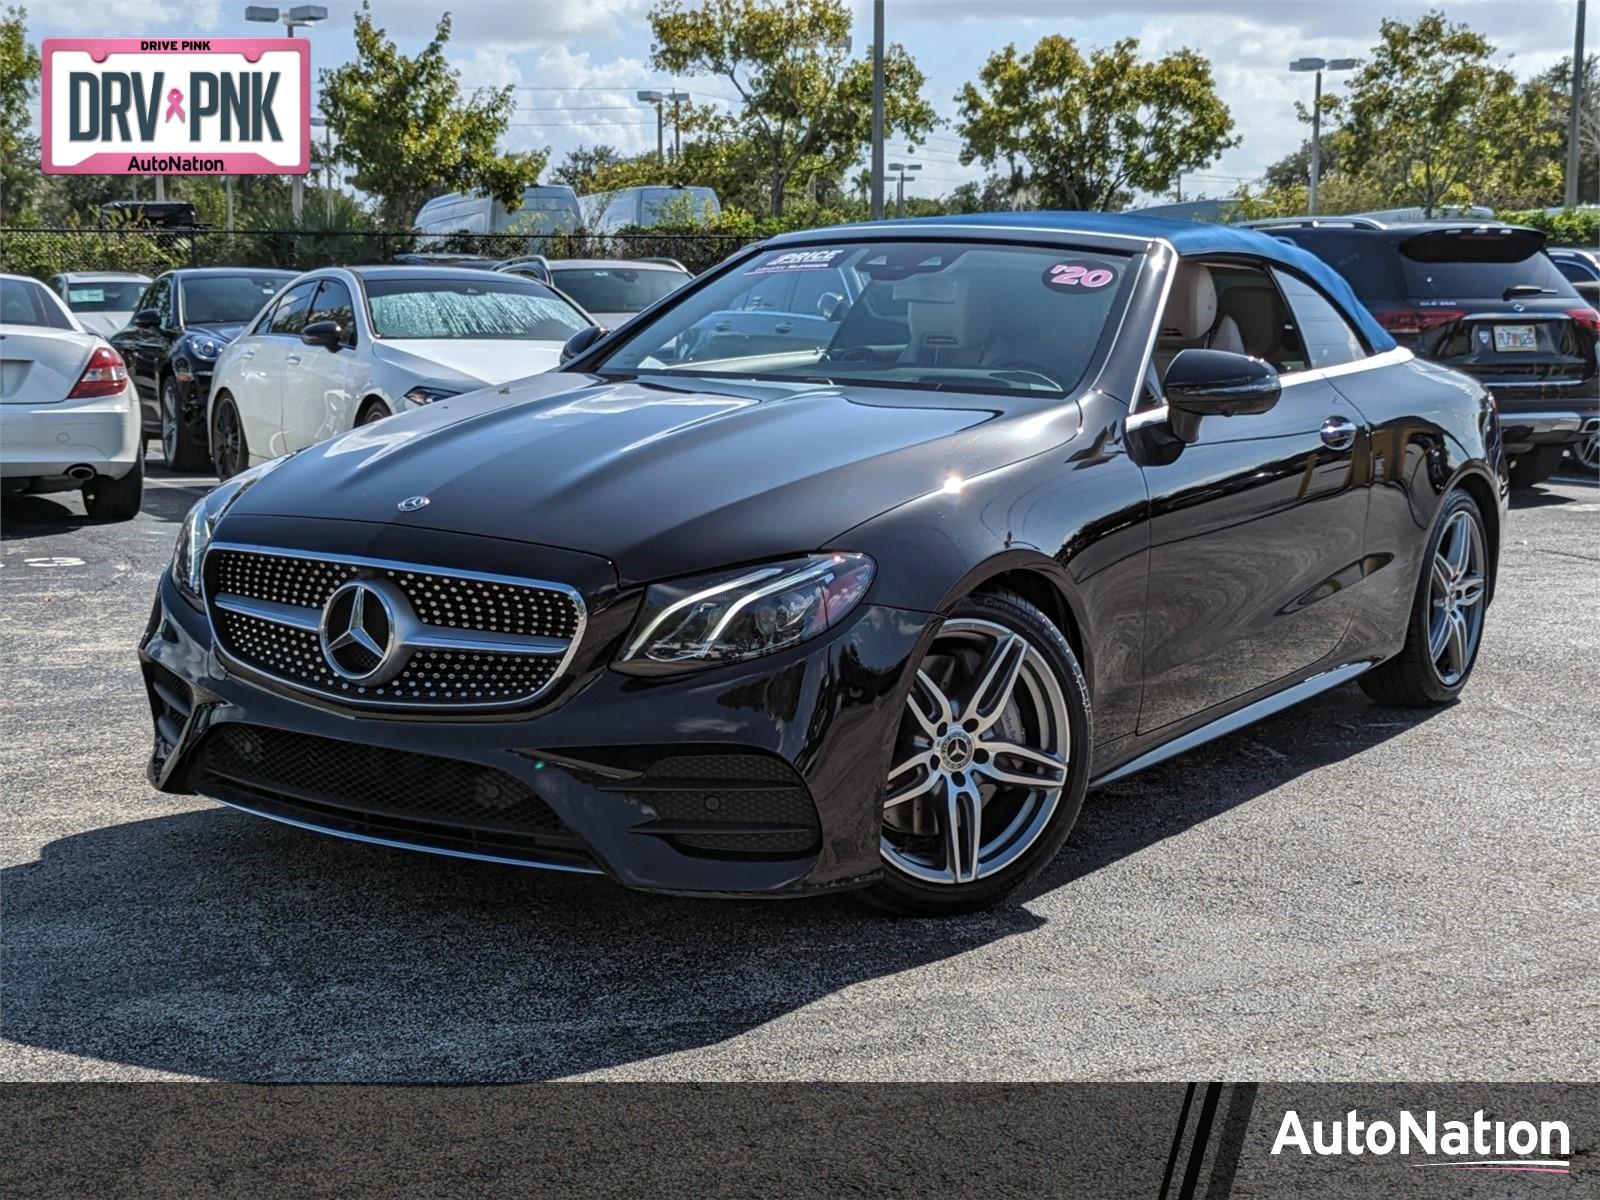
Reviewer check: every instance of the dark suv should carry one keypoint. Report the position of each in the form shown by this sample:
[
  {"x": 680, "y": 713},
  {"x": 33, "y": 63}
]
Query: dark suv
[{"x": 1485, "y": 299}]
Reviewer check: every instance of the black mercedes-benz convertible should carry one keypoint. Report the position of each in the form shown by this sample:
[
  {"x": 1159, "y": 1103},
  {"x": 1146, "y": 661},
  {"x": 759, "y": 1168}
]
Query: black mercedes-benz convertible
[{"x": 861, "y": 602}]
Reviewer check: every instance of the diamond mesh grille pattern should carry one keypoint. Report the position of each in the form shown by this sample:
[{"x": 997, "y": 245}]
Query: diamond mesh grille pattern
[
  {"x": 459, "y": 677},
  {"x": 763, "y": 806}
]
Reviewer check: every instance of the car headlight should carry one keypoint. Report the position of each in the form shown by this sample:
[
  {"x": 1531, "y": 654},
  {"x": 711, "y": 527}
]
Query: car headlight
[
  {"x": 206, "y": 348},
  {"x": 742, "y": 614},
  {"x": 427, "y": 395},
  {"x": 194, "y": 535}
]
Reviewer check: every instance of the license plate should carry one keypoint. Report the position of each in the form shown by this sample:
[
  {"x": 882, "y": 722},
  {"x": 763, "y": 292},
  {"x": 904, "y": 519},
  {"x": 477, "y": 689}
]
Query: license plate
[{"x": 1515, "y": 337}]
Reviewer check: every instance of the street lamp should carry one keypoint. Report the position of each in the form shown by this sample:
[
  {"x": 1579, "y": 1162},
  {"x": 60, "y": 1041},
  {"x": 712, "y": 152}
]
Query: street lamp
[
  {"x": 1319, "y": 65},
  {"x": 655, "y": 98},
  {"x": 327, "y": 162},
  {"x": 901, "y": 170},
  {"x": 301, "y": 16}
]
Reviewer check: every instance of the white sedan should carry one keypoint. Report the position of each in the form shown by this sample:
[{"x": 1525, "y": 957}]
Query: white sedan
[
  {"x": 69, "y": 414},
  {"x": 341, "y": 347},
  {"x": 103, "y": 301}
]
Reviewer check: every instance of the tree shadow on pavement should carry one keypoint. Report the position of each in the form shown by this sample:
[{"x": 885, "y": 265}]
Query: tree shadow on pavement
[{"x": 214, "y": 944}]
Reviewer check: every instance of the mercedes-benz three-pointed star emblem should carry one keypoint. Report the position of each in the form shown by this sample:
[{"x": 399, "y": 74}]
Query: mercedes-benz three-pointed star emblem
[{"x": 358, "y": 632}]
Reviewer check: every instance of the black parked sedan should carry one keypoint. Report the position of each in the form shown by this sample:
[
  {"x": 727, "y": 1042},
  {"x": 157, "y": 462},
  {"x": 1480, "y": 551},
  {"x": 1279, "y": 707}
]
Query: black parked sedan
[
  {"x": 182, "y": 322},
  {"x": 1052, "y": 498}
]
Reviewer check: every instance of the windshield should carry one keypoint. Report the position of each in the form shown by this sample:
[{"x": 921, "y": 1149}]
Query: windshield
[
  {"x": 616, "y": 289},
  {"x": 952, "y": 316},
  {"x": 228, "y": 299},
  {"x": 110, "y": 295},
  {"x": 499, "y": 309}
]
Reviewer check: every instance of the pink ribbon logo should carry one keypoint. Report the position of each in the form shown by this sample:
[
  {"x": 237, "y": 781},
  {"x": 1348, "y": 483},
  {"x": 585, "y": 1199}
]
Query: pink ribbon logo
[{"x": 175, "y": 105}]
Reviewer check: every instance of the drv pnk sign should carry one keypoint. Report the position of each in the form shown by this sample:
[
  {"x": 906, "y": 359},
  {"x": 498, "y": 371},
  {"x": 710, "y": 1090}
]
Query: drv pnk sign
[{"x": 170, "y": 106}]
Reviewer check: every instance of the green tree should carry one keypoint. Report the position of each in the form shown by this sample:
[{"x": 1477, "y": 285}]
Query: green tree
[
  {"x": 1432, "y": 120},
  {"x": 407, "y": 132},
  {"x": 1084, "y": 131},
  {"x": 19, "y": 82},
  {"x": 806, "y": 104},
  {"x": 1556, "y": 85},
  {"x": 581, "y": 165}
]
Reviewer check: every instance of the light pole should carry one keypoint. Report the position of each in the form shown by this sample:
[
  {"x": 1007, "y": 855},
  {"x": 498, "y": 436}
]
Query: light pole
[
  {"x": 901, "y": 171},
  {"x": 301, "y": 16},
  {"x": 1319, "y": 65},
  {"x": 1571, "y": 196},
  {"x": 656, "y": 98},
  {"x": 675, "y": 99},
  {"x": 877, "y": 110},
  {"x": 327, "y": 163}
]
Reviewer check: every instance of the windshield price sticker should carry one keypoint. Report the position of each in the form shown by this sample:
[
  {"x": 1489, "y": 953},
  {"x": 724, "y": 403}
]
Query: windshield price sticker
[
  {"x": 1078, "y": 276},
  {"x": 797, "y": 260}
]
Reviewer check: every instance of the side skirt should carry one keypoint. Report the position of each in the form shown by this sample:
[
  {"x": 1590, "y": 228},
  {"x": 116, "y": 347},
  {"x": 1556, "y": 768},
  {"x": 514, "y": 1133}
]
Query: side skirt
[{"x": 1248, "y": 715}]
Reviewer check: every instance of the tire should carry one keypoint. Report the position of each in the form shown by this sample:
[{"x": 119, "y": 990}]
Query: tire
[
  {"x": 1587, "y": 454},
  {"x": 184, "y": 450},
  {"x": 1009, "y": 669},
  {"x": 372, "y": 410},
  {"x": 230, "y": 451},
  {"x": 1421, "y": 676},
  {"x": 1536, "y": 465},
  {"x": 108, "y": 499}
]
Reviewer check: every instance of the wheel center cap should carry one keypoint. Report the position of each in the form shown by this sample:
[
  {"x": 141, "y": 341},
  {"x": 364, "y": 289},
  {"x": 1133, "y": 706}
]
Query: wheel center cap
[{"x": 956, "y": 749}]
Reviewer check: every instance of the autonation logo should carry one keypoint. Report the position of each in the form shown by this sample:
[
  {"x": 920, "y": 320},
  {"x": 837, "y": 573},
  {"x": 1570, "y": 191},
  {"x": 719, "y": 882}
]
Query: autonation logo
[{"x": 1479, "y": 1144}]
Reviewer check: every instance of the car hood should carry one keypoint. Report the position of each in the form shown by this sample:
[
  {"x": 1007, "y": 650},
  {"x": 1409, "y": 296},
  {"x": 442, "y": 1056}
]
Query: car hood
[
  {"x": 104, "y": 323},
  {"x": 469, "y": 362},
  {"x": 661, "y": 480},
  {"x": 222, "y": 331}
]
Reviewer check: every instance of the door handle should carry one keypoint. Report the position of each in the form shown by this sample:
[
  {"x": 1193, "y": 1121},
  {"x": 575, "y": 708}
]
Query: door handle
[
  {"x": 1339, "y": 433},
  {"x": 294, "y": 359}
]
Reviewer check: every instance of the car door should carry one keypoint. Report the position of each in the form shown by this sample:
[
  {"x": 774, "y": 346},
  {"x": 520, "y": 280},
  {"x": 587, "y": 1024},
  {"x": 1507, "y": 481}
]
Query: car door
[
  {"x": 143, "y": 347},
  {"x": 244, "y": 375},
  {"x": 277, "y": 359},
  {"x": 317, "y": 401},
  {"x": 1257, "y": 527}
]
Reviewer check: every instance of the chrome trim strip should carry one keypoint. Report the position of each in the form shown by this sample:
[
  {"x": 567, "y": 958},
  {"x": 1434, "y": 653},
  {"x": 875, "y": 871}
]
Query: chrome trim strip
[
  {"x": 295, "y": 616},
  {"x": 372, "y": 840},
  {"x": 531, "y": 645},
  {"x": 488, "y": 643},
  {"x": 1234, "y": 721}
]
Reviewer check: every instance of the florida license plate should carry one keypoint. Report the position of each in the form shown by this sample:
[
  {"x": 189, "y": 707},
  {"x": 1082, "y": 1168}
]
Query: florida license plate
[{"x": 1514, "y": 337}]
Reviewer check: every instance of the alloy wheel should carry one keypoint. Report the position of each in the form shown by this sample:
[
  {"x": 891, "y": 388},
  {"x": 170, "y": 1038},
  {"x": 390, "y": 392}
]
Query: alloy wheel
[
  {"x": 981, "y": 757},
  {"x": 169, "y": 422},
  {"x": 1587, "y": 452},
  {"x": 1455, "y": 598},
  {"x": 228, "y": 441}
]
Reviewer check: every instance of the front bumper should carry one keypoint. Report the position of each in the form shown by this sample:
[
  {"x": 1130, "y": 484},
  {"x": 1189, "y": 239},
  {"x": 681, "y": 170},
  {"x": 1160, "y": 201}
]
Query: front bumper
[{"x": 817, "y": 722}]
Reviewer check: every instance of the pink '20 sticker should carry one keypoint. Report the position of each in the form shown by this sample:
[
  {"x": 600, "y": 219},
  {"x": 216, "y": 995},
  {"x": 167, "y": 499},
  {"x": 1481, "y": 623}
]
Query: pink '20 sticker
[{"x": 1079, "y": 276}]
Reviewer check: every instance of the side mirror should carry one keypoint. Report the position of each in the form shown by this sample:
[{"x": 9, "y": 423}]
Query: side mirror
[
  {"x": 148, "y": 318},
  {"x": 328, "y": 334},
  {"x": 1216, "y": 383},
  {"x": 830, "y": 306},
  {"x": 581, "y": 341}
]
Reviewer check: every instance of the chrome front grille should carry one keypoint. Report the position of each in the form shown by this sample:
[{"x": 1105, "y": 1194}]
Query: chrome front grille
[{"x": 462, "y": 639}]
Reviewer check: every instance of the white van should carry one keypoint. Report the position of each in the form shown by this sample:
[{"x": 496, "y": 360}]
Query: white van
[
  {"x": 646, "y": 207},
  {"x": 552, "y": 209}
]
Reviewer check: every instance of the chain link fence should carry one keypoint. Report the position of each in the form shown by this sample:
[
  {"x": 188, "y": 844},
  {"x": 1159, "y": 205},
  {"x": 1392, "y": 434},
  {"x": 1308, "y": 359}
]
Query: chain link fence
[{"x": 45, "y": 252}]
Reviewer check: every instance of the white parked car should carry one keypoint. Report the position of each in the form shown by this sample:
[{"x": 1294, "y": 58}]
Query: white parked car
[
  {"x": 103, "y": 301},
  {"x": 341, "y": 347},
  {"x": 69, "y": 414}
]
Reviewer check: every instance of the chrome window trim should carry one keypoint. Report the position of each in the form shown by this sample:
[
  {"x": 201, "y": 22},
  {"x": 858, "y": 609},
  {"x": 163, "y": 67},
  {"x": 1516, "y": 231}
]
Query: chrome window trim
[{"x": 244, "y": 606}]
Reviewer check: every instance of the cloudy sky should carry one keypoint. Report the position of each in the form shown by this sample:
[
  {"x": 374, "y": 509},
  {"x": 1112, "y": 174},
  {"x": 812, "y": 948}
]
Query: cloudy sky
[{"x": 578, "y": 62}]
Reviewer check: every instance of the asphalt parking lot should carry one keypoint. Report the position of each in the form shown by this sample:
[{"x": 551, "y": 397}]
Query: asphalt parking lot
[{"x": 1341, "y": 892}]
